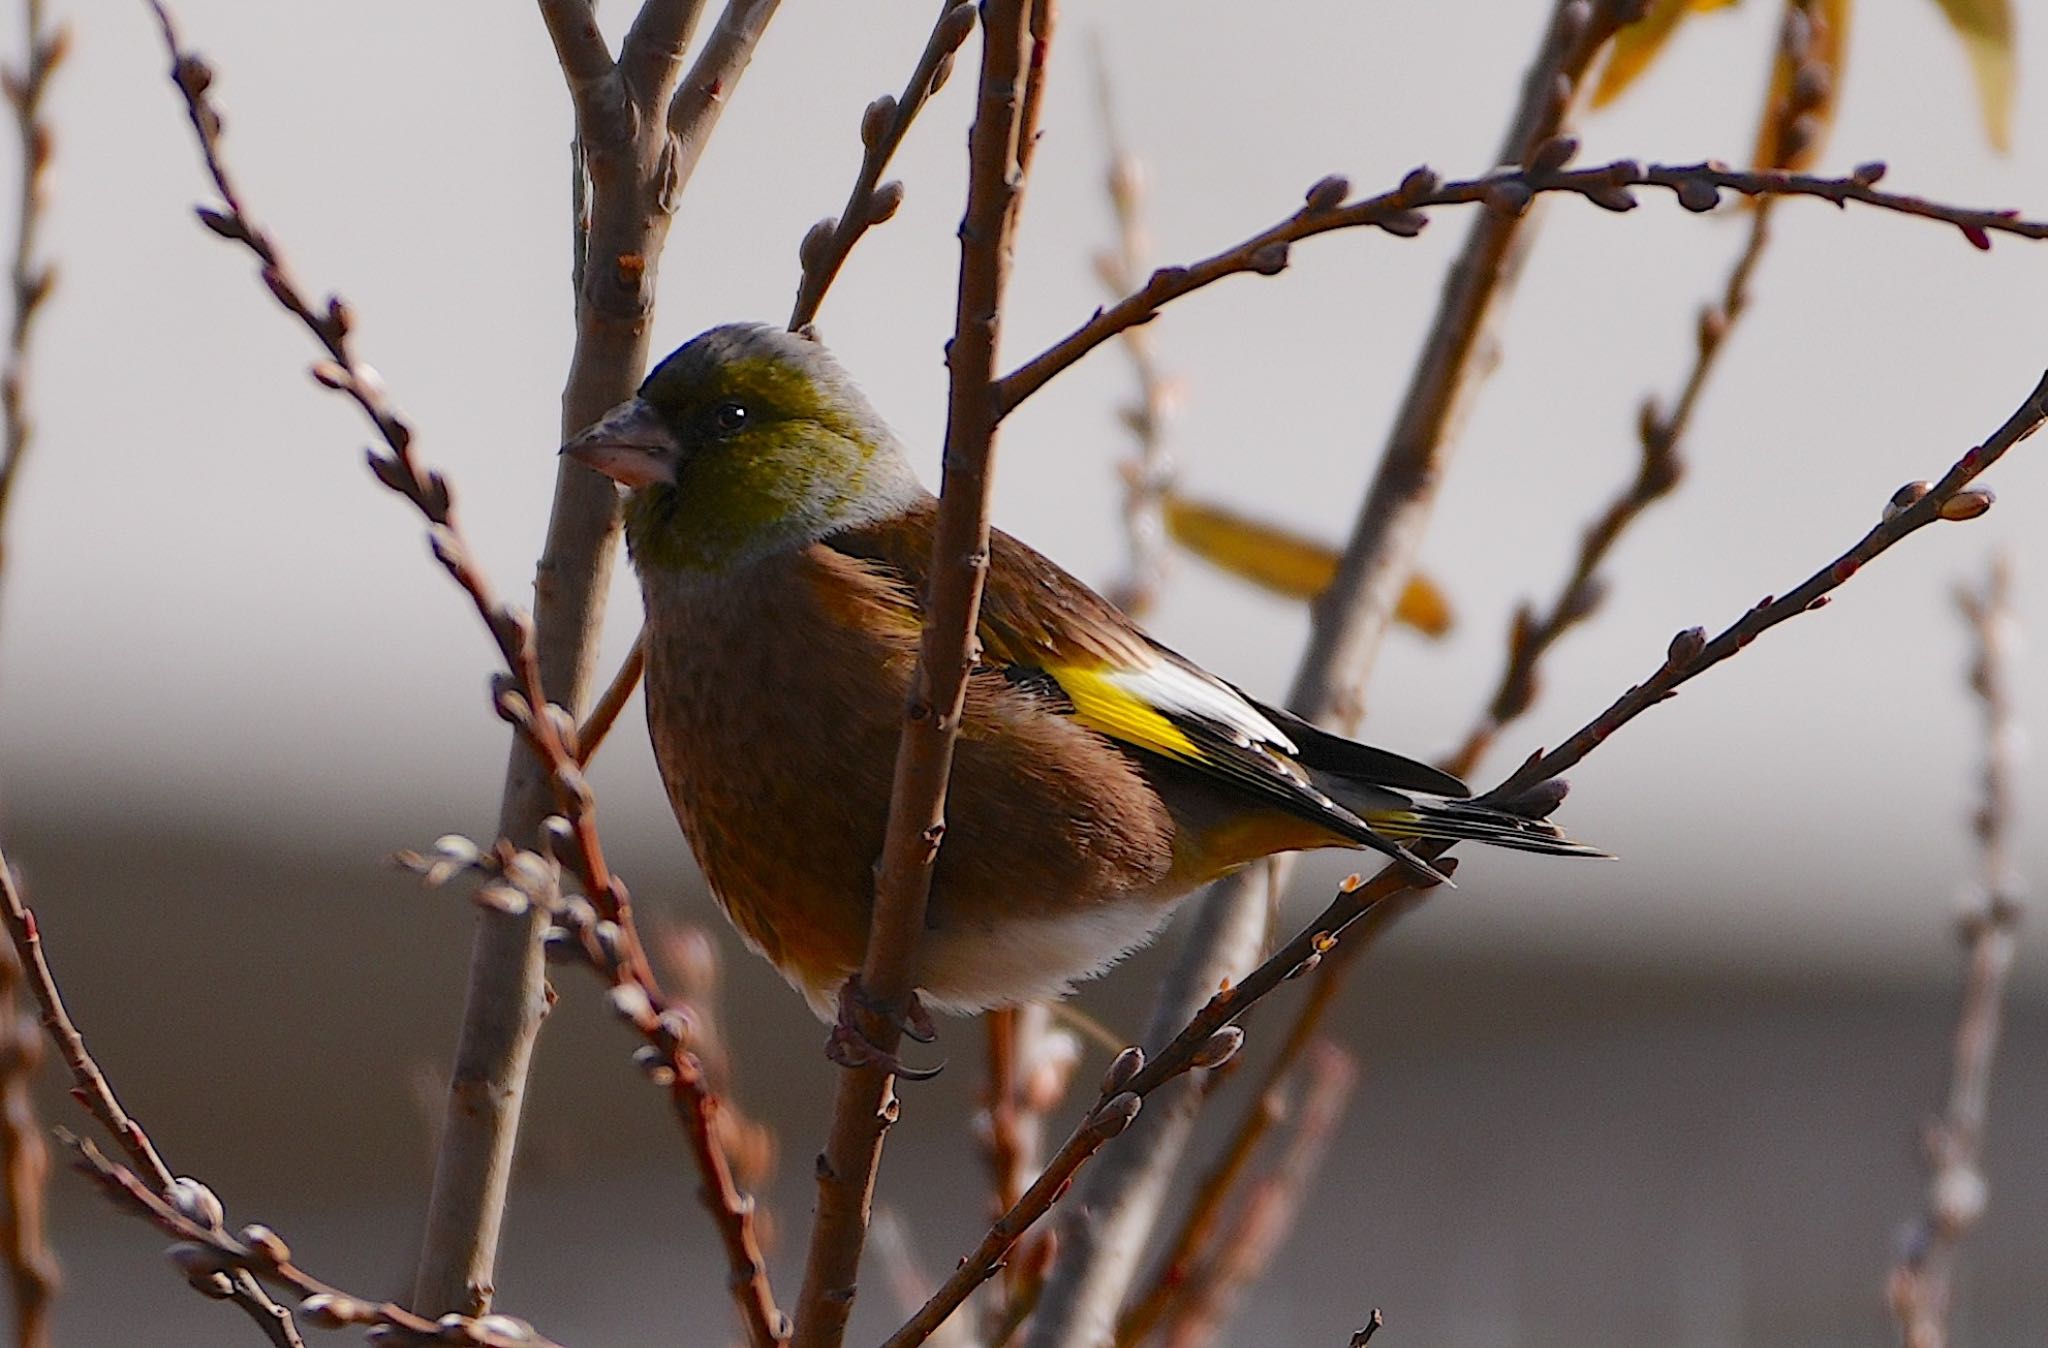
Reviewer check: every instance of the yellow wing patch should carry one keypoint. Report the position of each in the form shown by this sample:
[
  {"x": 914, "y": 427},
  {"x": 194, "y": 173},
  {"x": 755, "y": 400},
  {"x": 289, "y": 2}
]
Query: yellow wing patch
[{"x": 1107, "y": 707}]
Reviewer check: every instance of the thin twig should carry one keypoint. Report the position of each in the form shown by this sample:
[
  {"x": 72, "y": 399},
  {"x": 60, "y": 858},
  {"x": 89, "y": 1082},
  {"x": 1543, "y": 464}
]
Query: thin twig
[
  {"x": 33, "y": 1271},
  {"x": 1399, "y": 211},
  {"x": 1532, "y": 788},
  {"x": 29, "y": 276},
  {"x": 545, "y": 728},
  {"x": 32, "y": 1266},
  {"x": 1029, "y": 1066},
  {"x": 1200, "y": 1224},
  {"x": 604, "y": 713},
  {"x": 1120, "y": 1200},
  {"x": 882, "y": 128},
  {"x": 207, "y": 1255},
  {"x": 1268, "y": 1214},
  {"x": 864, "y": 1103},
  {"x": 91, "y": 1089},
  {"x": 1661, "y": 436},
  {"x": 1922, "y": 1282},
  {"x": 1148, "y": 475}
]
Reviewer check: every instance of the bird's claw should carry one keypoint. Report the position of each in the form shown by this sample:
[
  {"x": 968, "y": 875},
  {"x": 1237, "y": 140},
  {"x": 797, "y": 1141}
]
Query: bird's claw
[{"x": 849, "y": 1045}]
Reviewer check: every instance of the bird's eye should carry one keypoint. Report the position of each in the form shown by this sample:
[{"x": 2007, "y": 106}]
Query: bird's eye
[{"x": 729, "y": 416}]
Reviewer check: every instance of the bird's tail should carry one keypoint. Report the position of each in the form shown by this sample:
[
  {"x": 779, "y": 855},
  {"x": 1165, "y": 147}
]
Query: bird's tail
[{"x": 1463, "y": 820}]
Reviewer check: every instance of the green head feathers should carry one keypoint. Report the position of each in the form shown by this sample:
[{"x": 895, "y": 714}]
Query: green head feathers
[{"x": 747, "y": 441}]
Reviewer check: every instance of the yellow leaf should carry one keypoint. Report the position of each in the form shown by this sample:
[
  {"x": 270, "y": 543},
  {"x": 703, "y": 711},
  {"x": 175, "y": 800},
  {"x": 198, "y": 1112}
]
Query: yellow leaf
[
  {"x": 1639, "y": 44},
  {"x": 1799, "y": 112},
  {"x": 1424, "y": 607},
  {"x": 1986, "y": 29},
  {"x": 1284, "y": 562}
]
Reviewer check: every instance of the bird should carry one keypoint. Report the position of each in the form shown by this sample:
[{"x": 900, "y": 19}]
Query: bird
[{"x": 783, "y": 543}]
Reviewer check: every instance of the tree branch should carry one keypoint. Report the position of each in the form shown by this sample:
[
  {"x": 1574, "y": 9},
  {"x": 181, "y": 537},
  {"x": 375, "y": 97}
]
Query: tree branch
[
  {"x": 1921, "y": 1282},
  {"x": 29, "y": 277},
  {"x": 1506, "y": 194},
  {"x": 1660, "y": 435},
  {"x": 882, "y": 128},
  {"x": 636, "y": 167},
  {"x": 864, "y": 1103},
  {"x": 1120, "y": 1200},
  {"x": 95, "y": 1094},
  {"x": 545, "y": 730},
  {"x": 1269, "y": 1210},
  {"x": 209, "y": 1258},
  {"x": 1205, "y": 1040},
  {"x": 33, "y": 1269}
]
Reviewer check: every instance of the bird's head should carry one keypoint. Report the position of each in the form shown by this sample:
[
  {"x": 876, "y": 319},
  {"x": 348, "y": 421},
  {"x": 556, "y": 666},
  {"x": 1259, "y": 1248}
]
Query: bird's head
[{"x": 747, "y": 441}]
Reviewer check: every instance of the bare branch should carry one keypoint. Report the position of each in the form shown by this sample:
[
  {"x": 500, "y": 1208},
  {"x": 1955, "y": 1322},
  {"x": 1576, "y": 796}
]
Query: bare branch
[
  {"x": 545, "y": 729},
  {"x": 701, "y": 97},
  {"x": 633, "y": 162},
  {"x": 612, "y": 701},
  {"x": 95, "y": 1093},
  {"x": 882, "y": 128},
  {"x": 31, "y": 1265},
  {"x": 1922, "y": 1281},
  {"x": 30, "y": 278},
  {"x": 1505, "y": 193},
  {"x": 580, "y": 49},
  {"x": 1099, "y": 1256},
  {"x": 1660, "y": 435},
  {"x": 864, "y": 1103},
  {"x": 1530, "y": 789},
  {"x": 652, "y": 53},
  {"x": 34, "y": 1274},
  {"x": 208, "y": 1256},
  {"x": 1268, "y": 1214}
]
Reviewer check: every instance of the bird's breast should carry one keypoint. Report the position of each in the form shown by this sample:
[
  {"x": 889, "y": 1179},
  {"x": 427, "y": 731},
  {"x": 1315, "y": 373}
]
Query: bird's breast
[{"x": 775, "y": 700}]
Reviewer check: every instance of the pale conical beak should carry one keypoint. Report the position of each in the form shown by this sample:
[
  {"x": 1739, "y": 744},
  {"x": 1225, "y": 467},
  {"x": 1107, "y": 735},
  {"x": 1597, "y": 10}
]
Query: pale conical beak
[{"x": 629, "y": 444}]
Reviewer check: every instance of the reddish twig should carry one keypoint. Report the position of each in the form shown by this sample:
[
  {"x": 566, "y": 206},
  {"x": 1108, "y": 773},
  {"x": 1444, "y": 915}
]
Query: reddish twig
[
  {"x": 519, "y": 696},
  {"x": 30, "y": 278},
  {"x": 1532, "y": 789},
  {"x": 209, "y": 1258},
  {"x": 33, "y": 1270},
  {"x": 1268, "y": 1213},
  {"x": 1921, "y": 1282},
  {"x": 1661, "y": 436},
  {"x": 882, "y": 128},
  {"x": 604, "y": 713},
  {"x": 864, "y": 1103},
  {"x": 31, "y": 1265},
  {"x": 1200, "y": 1224},
  {"x": 1510, "y": 191},
  {"x": 91, "y": 1089}
]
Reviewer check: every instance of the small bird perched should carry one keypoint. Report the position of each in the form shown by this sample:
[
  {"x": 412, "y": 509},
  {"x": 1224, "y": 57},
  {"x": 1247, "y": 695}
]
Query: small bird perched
[{"x": 783, "y": 545}]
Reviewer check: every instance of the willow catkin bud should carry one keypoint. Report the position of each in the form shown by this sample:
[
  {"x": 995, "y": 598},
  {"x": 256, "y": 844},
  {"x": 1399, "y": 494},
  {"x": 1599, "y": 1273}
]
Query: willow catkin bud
[
  {"x": 1967, "y": 504},
  {"x": 1326, "y": 193},
  {"x": 874, "y": 122},
  {"x": 1904, "y": 498},
  {"x": 886, "y": 201},
  {"x": 1219, "y": 1048},
  {"x": 1122, "y": 1068}
]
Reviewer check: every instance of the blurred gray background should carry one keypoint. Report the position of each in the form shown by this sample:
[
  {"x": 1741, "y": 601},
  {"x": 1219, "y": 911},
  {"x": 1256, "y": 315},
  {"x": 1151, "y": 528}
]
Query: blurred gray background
[{"x": 1672, "y": 1100}]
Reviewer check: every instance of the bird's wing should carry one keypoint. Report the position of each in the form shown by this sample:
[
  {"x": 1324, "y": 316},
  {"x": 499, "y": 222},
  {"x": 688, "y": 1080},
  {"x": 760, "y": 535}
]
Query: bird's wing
[{"x": 1048, "y": 633}]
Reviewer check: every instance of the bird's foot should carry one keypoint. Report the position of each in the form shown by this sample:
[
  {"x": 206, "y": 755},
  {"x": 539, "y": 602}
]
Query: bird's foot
[{"x": 850, "y": 1046}]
